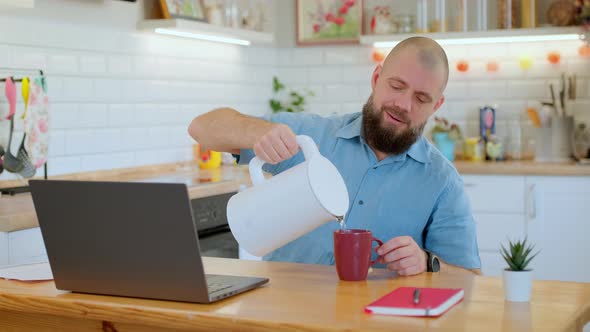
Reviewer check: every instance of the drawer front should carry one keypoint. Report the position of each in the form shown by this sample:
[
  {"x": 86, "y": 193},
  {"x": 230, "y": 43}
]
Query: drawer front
[
  {"x": 495, "y": 194},
  {"x": 494, "y": 229},
  {"x": 26, "y": 246},
  {"x": 3, "y": 248}
]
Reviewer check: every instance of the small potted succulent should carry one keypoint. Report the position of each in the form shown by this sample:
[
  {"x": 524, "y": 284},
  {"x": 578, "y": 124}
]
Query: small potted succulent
[{"x": 518, "y": 278}]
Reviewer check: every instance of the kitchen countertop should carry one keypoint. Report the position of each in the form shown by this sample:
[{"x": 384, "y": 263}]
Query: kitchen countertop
[
  {"x": 522, "y": 168},
  {"x": 299, "y": 297},
  {"x": 17, "y": 212}
]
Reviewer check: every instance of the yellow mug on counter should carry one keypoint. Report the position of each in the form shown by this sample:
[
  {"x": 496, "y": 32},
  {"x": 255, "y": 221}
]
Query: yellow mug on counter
[
  {"x": 209, "y": 159},
  {"x": 474, "y": 150}
]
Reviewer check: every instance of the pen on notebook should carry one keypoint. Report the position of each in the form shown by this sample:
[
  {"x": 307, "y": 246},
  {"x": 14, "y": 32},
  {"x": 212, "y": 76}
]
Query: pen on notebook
[{"x": 416, "y": 295}]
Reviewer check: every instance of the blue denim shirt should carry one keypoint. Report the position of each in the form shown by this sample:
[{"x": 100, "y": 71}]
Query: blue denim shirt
[{"x": 418, "y": 193}]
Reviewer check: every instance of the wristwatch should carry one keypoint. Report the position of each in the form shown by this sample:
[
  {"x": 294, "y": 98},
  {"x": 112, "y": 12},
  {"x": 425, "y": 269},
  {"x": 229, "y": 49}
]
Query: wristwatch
[{"x": 432, "y": 262}]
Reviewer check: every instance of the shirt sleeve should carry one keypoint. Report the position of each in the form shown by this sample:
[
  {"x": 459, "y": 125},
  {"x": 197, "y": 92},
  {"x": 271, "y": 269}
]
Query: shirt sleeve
[
  {"x": 296, "y": 122},
  {"x": 451, "y": 233}
]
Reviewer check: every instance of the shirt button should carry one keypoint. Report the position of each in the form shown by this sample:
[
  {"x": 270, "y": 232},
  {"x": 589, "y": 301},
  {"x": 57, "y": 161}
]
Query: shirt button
[
  {"x": 375, "y": 167},
  {"x": 361, "y": 202}
]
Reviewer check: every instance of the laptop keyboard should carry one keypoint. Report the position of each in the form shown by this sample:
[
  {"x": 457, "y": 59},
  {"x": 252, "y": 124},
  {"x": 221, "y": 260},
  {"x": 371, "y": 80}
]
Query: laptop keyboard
[{"x": 215, "y": 286}]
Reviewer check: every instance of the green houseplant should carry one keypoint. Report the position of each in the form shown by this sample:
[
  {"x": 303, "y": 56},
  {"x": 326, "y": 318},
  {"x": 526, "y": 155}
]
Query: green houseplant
[
  {"x": 517, "y": 276},
  {"x": 292, "y": 101}
]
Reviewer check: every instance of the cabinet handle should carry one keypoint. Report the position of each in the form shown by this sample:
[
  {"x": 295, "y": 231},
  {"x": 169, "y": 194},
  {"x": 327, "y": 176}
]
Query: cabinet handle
[
  {"x": 469, "y": 185},
  {"x": 532, "y": 202}
]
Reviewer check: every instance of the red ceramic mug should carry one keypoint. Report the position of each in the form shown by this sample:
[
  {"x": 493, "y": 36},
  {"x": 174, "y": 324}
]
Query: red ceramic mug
[{"x": 352, "y": 252}]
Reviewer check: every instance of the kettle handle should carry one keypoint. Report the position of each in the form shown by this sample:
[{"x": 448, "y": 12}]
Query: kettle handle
[{"x": 307, "y": 146}]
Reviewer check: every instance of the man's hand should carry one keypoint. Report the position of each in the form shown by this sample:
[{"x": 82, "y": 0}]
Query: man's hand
[
  {"x": 402, "y": 255},
  {"x": 277, "y": 144}
]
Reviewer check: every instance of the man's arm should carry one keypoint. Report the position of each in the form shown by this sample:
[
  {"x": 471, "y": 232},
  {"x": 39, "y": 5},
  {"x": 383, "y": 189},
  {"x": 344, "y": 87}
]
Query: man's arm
[
  {"x": 403, "y": 255},
  {"x": 225, "y": 129}
]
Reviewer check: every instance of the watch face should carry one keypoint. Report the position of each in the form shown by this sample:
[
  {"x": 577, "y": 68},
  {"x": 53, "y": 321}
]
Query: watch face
[{"x": 435, "y": 264}]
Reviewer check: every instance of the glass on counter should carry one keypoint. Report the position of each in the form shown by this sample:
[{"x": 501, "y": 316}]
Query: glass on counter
[
  {"x": 514, "y": 140},
  {"x": 474, "y": 149},
  {"x": 495, "y": 148}
]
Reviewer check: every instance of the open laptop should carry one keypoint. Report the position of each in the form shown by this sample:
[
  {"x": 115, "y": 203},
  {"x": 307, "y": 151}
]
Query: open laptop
[{"x": 129, "y": 239}]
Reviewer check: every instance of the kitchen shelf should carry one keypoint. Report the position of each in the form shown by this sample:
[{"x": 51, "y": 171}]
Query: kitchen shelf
[
  {"x": 455, "y": 37},
  {"x": 206, "y": 29}
]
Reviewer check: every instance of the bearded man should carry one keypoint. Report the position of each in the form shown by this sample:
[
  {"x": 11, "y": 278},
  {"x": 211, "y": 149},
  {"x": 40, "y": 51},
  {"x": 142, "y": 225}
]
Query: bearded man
[{"x": 400, "y": 187}]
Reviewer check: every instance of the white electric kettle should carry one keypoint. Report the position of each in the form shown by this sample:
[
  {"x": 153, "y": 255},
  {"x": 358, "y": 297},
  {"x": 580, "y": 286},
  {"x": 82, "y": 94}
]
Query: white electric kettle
[{"x": 278, "y": 210}]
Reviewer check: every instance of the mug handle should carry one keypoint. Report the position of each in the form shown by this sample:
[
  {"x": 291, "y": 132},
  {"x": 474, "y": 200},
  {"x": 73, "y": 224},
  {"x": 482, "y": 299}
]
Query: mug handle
[
  {"x": 380, "y": 244},
  {"x": 307, "y": 146}
]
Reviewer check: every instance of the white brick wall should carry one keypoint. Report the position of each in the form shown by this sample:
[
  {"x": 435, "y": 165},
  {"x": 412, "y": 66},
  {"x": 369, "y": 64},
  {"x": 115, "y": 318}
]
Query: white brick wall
[
  {"x": 341, "y": 82},
  {"x": 124, "y": 98}
]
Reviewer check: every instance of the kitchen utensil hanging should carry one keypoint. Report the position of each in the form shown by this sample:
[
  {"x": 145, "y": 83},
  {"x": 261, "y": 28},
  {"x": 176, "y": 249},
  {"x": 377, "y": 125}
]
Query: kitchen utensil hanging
[
  {"x": 11, "y": 162},
  {"x": 22, "y": 153},
  {"x": 37, "y": 123}
]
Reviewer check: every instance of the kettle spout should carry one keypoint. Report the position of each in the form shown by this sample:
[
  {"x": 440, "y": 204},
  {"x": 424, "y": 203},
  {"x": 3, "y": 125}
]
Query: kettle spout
[{"x": 341, "y": 221}]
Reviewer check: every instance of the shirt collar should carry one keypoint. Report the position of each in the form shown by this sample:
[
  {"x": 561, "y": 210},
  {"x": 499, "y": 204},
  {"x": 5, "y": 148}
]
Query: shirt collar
[{"x": 419, "y": 151}]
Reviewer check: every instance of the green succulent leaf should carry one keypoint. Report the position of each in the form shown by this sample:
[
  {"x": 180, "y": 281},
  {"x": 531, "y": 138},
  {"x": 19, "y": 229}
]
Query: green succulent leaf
[{"x": 518, "y": 255}]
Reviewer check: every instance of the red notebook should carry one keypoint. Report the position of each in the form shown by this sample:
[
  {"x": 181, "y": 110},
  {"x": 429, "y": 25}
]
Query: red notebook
[{"x": 431, "y": 302}]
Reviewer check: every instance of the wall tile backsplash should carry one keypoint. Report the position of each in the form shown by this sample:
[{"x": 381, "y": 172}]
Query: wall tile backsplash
[{"x": 125, "y": 99}]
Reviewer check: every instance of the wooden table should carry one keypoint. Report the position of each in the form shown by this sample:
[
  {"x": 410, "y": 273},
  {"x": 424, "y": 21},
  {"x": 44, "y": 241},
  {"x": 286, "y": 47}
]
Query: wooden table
[{"x": 298, "y": 298}]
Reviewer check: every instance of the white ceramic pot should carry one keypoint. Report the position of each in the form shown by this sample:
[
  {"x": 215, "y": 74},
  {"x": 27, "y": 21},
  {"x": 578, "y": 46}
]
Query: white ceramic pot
[
  {"x": 277, "y": 211},
  {"x": 518, "y": 285}
]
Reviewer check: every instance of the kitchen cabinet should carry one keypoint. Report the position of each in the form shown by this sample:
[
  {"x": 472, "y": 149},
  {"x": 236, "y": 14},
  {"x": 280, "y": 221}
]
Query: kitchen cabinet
[
  {"x": 3, "y": 248},
  {"x": 559, "y": 225},
  {"x": 498, "y": 205},
  {"x": 552, "y": 211},
  {"x": 22, "y": 247}
]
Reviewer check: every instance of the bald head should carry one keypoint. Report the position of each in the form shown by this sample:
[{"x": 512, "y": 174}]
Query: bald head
[{"x": 428, "y": 52}]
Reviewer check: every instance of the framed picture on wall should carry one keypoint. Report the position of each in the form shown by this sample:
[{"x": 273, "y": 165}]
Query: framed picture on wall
[
  {"x": 321, "y": 22},
  {"x": 187, "y": 9}
]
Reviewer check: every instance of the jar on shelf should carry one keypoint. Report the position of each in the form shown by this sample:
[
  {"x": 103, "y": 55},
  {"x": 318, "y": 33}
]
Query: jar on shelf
[
  {"x": 439, "y": 21},
  {"x": 232, "y": 14},
  {"x": 405, "y": 23},
  {"x": 388, "y": 17},
  {"x": 457, "y": 15},
  {"x": 215, "y": 13},
  {"x": 482, "y": 10},
  {"x": 507, "y": 13},
  {"x": 422, "y": 18},
  {"x": 449, "y": 16},
  {"x": 382, "y": 21},
  {"x": 528, "y": 14}
]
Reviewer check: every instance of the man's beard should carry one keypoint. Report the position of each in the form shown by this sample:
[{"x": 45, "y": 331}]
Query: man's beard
[{"x": 385, "y": 138}]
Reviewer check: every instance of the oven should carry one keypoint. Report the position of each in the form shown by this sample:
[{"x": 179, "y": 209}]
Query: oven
[{"x": 210, "y": 217}]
